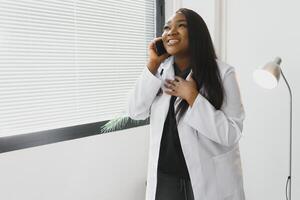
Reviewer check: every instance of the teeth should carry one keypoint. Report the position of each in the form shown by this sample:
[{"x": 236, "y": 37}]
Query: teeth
[{"x": 173, "y": 42}]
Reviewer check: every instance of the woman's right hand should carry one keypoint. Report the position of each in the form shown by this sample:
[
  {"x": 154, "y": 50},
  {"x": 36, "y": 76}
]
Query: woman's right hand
[{"x": 155, "y": 60}]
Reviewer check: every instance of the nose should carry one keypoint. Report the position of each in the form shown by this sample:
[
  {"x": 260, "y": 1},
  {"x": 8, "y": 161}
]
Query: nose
[{"x": 172, "y": 31}]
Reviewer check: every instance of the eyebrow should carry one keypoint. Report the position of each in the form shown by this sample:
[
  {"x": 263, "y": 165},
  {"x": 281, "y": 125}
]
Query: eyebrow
[{"x": 181, "y": 20}]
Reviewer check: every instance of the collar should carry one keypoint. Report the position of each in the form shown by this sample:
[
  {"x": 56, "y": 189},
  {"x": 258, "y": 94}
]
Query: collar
[
  {"x": 168, "y": 69},
  {"x": 183, "y": 74}
]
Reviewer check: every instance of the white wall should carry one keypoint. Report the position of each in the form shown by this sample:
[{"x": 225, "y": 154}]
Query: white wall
[
  {"x": 102, "y": 167},
  {"x": 257, "y": 32}
]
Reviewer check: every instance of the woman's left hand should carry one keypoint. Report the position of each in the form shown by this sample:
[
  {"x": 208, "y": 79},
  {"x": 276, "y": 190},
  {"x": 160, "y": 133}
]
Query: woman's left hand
[{"x": 185, "y": 89}]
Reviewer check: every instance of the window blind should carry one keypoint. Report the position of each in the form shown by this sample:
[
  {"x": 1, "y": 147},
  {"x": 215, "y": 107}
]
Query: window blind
[{"x": 71, "y": 62}]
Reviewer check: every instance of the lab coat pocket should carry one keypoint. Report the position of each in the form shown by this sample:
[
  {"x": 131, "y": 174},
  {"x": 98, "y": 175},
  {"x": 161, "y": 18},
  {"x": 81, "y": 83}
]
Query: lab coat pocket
[{"x": 228, "y": 172}]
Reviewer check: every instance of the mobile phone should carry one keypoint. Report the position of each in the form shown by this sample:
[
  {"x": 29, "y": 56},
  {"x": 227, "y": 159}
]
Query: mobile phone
[{"x": 160, "y": 49}]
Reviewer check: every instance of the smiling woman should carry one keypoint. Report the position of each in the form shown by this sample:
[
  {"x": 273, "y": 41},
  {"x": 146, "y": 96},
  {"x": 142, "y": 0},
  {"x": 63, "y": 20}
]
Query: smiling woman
[{"x": 197, "y": 121}]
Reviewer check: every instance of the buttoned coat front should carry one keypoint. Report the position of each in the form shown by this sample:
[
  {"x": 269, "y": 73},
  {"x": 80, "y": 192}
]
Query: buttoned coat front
[{"x": 209, "y": 137}]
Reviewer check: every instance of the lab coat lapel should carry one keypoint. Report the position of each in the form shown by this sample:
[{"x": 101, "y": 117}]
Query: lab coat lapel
[
  {"x": 168, "y": 68},
  {"x": 168, "y": 73}
]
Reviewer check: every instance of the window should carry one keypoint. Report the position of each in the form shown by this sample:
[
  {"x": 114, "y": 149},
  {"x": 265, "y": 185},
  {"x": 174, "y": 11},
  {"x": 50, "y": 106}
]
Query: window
[{"x": 66, "y": 66}]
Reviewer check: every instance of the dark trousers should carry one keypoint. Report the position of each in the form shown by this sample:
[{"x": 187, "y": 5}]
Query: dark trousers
[{"x": 173, "y": 188}]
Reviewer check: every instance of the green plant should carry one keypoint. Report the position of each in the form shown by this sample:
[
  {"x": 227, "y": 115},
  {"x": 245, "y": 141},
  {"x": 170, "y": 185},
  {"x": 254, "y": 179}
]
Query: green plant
[{"x": 119, "y": 123}]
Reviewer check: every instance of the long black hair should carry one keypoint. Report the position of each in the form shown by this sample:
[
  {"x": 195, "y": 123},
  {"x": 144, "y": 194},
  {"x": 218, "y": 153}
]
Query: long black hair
[{"x": 203, "y": 63}]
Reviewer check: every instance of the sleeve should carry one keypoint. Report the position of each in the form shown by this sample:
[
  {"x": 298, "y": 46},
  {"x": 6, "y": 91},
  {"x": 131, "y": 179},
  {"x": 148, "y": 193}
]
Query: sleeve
[
  {"x": 143, "y": 94},
  {"x": 223, "y": 126}
]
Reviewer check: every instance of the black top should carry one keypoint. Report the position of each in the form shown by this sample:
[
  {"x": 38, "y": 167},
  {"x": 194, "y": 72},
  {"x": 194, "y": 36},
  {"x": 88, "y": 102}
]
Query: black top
[{"x": 171, "y": 159}]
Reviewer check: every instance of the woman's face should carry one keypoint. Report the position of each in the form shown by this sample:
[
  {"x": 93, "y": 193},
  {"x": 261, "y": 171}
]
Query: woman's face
[{"x": 175, "y": 35}]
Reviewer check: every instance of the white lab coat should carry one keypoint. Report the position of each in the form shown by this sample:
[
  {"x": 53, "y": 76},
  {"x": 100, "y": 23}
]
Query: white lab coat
[{"x": 209, "y": 137}]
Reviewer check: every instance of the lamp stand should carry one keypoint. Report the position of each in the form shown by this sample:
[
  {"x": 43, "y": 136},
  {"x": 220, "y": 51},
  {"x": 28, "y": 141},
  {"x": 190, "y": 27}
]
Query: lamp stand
[{"x": 289, "y": 179}]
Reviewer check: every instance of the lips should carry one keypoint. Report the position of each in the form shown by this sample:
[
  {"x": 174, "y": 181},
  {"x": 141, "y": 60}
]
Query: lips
[{"x": 172, "y": 42}]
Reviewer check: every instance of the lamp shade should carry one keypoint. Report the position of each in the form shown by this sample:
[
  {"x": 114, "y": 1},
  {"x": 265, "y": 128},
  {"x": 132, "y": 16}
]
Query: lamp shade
[{"x": 268, "y": 76}]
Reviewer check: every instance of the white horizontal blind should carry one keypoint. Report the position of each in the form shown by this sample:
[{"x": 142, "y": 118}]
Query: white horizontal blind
[{"x": 69, "y": 62}]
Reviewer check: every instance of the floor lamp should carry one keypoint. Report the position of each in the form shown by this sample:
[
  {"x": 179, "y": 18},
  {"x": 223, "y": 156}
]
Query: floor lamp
[{"x": 268, "y": 77}]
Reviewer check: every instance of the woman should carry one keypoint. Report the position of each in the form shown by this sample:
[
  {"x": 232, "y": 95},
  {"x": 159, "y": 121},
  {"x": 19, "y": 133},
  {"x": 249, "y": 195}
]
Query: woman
[{"x": 196, "y": 116}]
